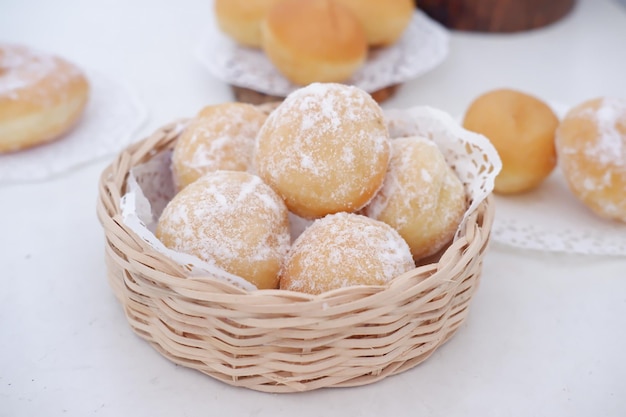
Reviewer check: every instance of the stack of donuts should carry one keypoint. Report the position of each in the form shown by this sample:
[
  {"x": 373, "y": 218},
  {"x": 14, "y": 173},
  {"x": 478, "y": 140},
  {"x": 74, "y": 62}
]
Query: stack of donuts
[
  {"x": 312, "y": 197},
  {"x": 589, "y": 144},
  {"x": 314, "y": 40}
]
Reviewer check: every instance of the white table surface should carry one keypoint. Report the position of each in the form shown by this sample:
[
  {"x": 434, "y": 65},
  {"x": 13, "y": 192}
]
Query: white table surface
[{"x": 546, "y": 334}]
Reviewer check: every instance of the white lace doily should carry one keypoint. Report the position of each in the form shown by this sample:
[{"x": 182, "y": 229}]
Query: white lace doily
[
  {"x": 113, "y": 114},
  {"x": 151, "y": 186},
  {"x": 550, "y": 218},
  {"x": 423, "y": 46}
]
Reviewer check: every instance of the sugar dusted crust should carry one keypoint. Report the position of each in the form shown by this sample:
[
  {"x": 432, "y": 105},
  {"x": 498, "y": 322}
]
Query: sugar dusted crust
[
  {"x": 231, "y": 220},
  {"x": 421, "y": 197},
  {"x": 220, "y": 137},
  {"x": 41, "y": 97},
  {"x": 591, "y": 147},
  {"x": 342, "y": 250},
  {"x": 325, "y": 149}
]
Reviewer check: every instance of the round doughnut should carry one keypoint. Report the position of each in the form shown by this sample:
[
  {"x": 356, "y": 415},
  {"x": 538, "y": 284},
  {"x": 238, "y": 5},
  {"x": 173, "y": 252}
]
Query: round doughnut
[
  {"x": 521, "y": 128},
  {"x": 220, "y": 137},
  {"x": 384, "y": 21},
  {"x": 325, "y": 149},
  {"x": 313, "y": 40},
  {"x": 342, "y": 250},
  {"x": 591, "y": 145},
  {"x": 41, "y": 97},
  {"x": 422, "y": 198},
  {"x": 231, "y": 220},
  {"x": 241, "y": 19}
]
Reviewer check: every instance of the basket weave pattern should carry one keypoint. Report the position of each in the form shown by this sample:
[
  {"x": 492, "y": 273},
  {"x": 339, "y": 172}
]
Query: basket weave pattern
[{"x": 282, "y": 341}]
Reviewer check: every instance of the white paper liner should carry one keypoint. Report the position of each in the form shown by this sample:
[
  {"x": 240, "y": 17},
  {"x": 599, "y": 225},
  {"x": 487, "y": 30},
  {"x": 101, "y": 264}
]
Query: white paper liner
[
  {"x": 550, "y": 218},
  {"x": 112, "y": 116},
  {"x": 151, "y": 186},
  {"x": 422, "y": 47}
]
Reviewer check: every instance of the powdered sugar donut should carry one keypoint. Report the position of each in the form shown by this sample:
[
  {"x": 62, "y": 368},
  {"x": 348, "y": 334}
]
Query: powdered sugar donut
[
  {"x": 231, "y": 220},
  {"x": 41, "y": 97},
  {"x": 220, "y": 137},
  {"x": 342, "y": 250},
  {"x": 325, "y": 149},
  {"x": 422, "y": 198},
  {"x": 591, "y": 148}
]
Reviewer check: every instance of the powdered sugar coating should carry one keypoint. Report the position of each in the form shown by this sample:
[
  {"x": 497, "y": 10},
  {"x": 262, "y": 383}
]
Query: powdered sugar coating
[
  {"x": 421, "y": 198},
  {"x": 324, "y": 149},
  {"x": 591, "y": 146},
  {"x": 231, "y": 220},
  {"x": 609, "y": 146},
  {"x": 22, "y": 72},
  {"x": 221, "y": 137},
  {"x": 345, "y": 249}
]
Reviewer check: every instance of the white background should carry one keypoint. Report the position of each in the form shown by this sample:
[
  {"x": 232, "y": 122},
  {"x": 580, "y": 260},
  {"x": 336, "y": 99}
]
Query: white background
[{"x": 546, "y": 334}]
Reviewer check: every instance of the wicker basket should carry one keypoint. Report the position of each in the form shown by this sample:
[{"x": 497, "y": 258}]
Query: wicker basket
[{"x": 282, "y": 341}]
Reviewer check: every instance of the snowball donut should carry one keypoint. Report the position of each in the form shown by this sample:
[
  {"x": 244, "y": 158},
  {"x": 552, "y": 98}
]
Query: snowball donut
[
  {"x": 522, "y": 129},
  {"x": 342, "y": 250},
  {"x": 231, "y": 220},
  {"x": 325, "y": 149},
  {"x": 591, "y": 145},
  {"x": 220, "y": 137},
  {"x": 384, "y": 21},
  {"x": 241, "y": 19},
  {"x": 422, "y": 198},
  {"x": 313, "y": 40},
  {"x": 41, "y": 97}
]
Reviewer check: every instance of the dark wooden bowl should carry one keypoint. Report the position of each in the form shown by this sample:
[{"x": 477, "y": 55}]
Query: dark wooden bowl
[{"x": 496, "y": 15}]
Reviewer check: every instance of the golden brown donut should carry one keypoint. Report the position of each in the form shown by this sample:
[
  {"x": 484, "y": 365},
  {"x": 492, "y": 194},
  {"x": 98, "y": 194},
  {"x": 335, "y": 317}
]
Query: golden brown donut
[
  {"x": 231, "y": 220},
  {"x": 591, "y": 145},
  {"x": 384, "y": 21},
  {"x": 521, "y": 128},
  {"x": 220, "y": 137},
  {"x": 241, "y": 19},
  {"x": 325, "y": 149},
  {"x": 313, "y": 40},
  {"x": 342, "y": 250},
  {"x": 41, "y": 97},
  {"x": 422, "y": 198}
]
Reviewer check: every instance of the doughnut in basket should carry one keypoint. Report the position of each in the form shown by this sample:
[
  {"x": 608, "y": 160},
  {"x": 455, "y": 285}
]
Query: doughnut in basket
[
  {"x": 330, "y": 322},
  {"x": 41, "y": 97},
  {"x": 325, "y": 149},
  {"x": 220, "y": 137}
]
